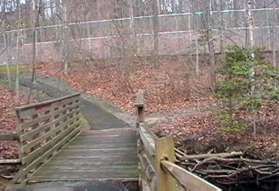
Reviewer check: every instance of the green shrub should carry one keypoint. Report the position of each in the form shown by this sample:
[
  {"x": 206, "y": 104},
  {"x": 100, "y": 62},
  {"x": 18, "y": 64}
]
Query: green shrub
[{"x": 245, "y": 82}]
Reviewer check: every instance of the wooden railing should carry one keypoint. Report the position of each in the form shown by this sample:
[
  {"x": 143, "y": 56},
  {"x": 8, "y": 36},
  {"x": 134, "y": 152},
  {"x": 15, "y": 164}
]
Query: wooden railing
[
  {"x": 158, "y": 171},
  {"x": 43, "y": 129}
]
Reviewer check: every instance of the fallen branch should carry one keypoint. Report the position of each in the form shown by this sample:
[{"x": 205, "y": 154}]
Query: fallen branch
[
  {"x": 9, "y": 161},
  {"x": 229, "y": 168},
  {"x": 203, "y": 156}
]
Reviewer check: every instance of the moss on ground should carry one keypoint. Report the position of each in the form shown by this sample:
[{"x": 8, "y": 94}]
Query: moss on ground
[{"x": 22, "y": 69}]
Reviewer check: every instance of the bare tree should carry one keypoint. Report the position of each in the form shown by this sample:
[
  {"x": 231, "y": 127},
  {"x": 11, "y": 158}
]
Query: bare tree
[
  {"x": 18, "y": 48},
  {"x": 221, "y": 29},
  {"x": 250, "y": 20},
  {"x": 209, "y": 40},
  {"x": 65, "y": 40},
  {"x": 275, "y": 20},
  {"x": 35, "y": 18},
  {"x": 155, "y": 23}
]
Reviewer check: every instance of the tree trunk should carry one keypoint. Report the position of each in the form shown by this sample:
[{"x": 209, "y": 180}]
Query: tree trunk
[
  {"x": 133, "y": 37},
  {"x": 221, "y": 30},
  {"x": 155, "y": 19},
  {"x": 34, "y": 37},
  {"x": 273, "y": 39},
  {"x": 197, "y": 66},
  {"x": 7, "y": 47},
  {"x": 252, "y": 46},
  {"x": 211, "y": 49},
  {"x": 17, "y": 64},
  {"x": 35, "y": 19},
  {"x": 18, "y": 50},
  {"x": 65, "y": 40}
]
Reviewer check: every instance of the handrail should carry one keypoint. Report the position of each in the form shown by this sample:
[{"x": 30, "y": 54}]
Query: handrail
[
  {"x": 186, "y": 179},
  {"x": 43, "y": 129},
  {"x": 147, "y": 139},
  {"x": 21, "y": 108}
]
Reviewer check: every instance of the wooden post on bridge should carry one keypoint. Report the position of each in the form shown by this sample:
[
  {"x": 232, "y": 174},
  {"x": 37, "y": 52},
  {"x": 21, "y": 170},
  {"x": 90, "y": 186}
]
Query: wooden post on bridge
[
  {"x": 164, "y": 151},
  {"x": 140, "y": 107},
  {"x": 158, "y": 150}
]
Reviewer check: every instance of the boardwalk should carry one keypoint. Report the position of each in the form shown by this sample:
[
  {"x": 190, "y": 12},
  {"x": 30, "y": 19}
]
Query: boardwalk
[
  {"x": 103, "y": 157},
  {"x": 94, "y": 155}
]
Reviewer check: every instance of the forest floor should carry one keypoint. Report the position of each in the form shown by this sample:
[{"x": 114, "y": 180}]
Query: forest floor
[
  {"x": 182, "y": 103},
  {"x": 177, "y": 103},
  {"x": 8, "y": 150}
]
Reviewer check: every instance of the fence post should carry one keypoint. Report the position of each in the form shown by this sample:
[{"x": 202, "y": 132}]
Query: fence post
[
  {"x": 140, "y": 107},
  {"x": 164, "y": 148}
]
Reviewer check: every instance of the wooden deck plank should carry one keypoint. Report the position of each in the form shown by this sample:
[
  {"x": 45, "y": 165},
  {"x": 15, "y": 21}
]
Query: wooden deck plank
[
  {"x": 94, "y": 173},
  {"x": 64, "y": 169},
  {"x": 94, "y": 155},
  {"x": 104, "y": 147},
  {"x": 105, "y": 162},
  {"x": 85, "y": 158},
  {"x": 82, "y": 177},
  {"x": 104, "y": 139}
]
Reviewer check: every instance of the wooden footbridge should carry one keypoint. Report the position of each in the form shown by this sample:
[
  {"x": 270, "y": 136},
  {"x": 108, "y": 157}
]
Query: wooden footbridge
[{"x": 55, "y": 148}]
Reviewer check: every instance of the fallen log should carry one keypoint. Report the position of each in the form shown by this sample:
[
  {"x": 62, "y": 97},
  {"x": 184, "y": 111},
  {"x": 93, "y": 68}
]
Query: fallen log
[
  {"x": 9, "y": 137},
  {"x": 203, "y": 156}
]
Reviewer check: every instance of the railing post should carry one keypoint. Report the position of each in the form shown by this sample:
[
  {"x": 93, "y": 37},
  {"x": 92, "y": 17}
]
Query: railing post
[
  {"x": 140, "y": 107},
  {"x": 164, "y": 148}
]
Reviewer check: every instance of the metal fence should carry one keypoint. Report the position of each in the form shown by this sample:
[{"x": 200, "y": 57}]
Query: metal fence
[{"x": 178, "y": 34}]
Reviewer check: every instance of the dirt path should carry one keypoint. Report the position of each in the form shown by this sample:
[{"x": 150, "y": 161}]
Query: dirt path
[{"x": 97, "y": 117}]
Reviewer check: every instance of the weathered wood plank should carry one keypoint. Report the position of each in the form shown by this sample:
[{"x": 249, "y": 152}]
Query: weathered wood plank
[
  {"x": 29, "y": 135},
  {"x": 140, "y": 99},
  {"x": 106, "y": 140},
  {"x": 36, "y": 153},
  {"x": 45, "y": 103},
  {"x": 45, "y": 118},
  {"x": 47, "y": 154},
  {"x": 101, "y": 150},
  {"x": 94, "y": 169},
  {"x": 96, "y": 158},
  {"x": 110, "y": 132},
  {"x": 51, "y": 133},
  {"x": 93, "y": 172},
  {"x": 164, "y": 151},
  {"x": 95, "y": 161},
  {"x": 147, "y": 140},
  {"x": 187, "y": 179},
  {"x": 86, "y": 177}
]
